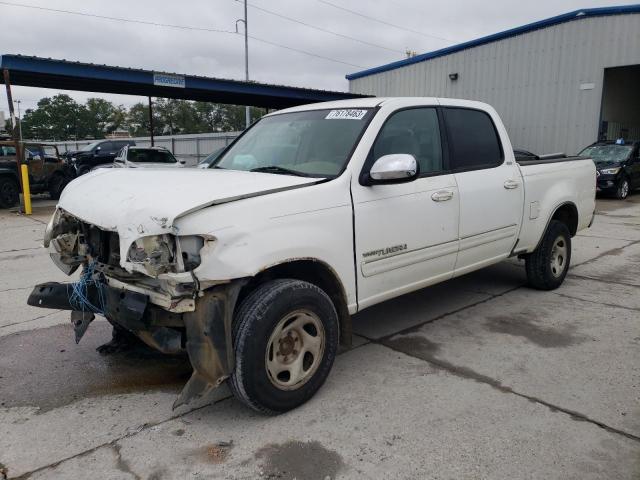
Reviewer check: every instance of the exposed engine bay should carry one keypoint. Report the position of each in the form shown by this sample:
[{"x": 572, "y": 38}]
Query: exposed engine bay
[{"x": 153, "y": 293}]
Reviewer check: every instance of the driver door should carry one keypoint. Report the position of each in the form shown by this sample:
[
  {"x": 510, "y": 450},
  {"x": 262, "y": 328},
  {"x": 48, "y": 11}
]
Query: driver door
[
  {"x": 34, "y": 158},
  {"x": 406, "y": 234}
]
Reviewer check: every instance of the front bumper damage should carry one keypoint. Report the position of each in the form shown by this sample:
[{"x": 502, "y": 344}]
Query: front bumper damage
[{"x": 205, "y": 332}]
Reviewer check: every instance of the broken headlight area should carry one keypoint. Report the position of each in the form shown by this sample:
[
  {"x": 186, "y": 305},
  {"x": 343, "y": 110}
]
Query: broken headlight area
[
  {"x": 158, "y": 254},
  {"x": 65, "y": 252},
  {"x": 72, "y": 243}
]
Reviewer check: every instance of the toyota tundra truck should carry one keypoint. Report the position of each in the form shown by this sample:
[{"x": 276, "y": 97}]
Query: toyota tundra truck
[{"x": 254, "y": 266}]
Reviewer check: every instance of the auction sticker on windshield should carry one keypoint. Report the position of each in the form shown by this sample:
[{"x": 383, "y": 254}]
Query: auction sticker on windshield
[{"x": 346, "y": 114}]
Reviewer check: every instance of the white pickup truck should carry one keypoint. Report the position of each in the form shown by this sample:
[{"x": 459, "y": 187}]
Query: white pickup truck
[{"x": 254, "y": 266}]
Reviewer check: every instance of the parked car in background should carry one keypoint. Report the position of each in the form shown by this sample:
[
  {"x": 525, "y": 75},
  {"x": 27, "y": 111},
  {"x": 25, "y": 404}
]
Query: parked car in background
[
  {"x": 48, "y": 173},
  {"x": 146, "y": 157},
  {"x": 209, "y": 159},
  {"x": 617, "y": 165},
  {"x": 315, "y": 213},
  {"x": 97, "y": 153}
]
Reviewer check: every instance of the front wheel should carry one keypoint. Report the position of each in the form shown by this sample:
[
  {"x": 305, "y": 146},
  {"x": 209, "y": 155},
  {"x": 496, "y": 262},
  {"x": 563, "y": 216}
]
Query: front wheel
[
  {"x": 285, "y": 340},
  {"x": 548, "y": 265},
  {"x": 623, "y": 189}
]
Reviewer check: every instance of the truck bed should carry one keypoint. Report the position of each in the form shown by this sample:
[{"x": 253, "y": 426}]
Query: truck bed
[
  {"x": 550, "y": 183},
  {"x": 544, "y": 159}
]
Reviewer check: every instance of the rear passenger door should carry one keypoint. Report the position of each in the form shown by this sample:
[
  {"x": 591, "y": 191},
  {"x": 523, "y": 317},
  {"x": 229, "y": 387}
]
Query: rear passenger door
[
  {"x": 490, "y": 186},
  {"x": 406, "y": 234},
  {"x": 106, "y": 153}
]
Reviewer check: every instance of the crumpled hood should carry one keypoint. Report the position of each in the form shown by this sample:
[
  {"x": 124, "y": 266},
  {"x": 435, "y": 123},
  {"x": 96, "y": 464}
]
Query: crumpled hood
[{"x": 139, "y": 202}]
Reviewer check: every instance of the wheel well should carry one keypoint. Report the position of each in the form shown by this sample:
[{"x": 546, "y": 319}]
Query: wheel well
[
  {"x": 567, "y": 214},
  {"x": 11, "y": 176},
  {"x": 317, "y": 273}
]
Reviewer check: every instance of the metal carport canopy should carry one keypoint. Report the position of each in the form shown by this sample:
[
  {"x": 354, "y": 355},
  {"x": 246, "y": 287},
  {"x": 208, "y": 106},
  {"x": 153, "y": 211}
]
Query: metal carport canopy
[{"x": 66, "y": 75}]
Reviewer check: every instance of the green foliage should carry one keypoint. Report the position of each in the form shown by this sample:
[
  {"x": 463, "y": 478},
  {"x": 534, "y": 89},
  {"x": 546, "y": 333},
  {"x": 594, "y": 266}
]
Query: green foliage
[{"x": 62, "y": 118}]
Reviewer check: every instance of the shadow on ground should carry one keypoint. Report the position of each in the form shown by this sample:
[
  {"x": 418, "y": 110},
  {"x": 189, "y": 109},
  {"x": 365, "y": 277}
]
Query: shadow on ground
[{"x": 44, "y": 368}]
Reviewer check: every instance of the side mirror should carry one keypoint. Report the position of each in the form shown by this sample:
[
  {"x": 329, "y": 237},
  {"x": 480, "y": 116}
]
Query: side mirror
[
  {"x": 394, "y": 168},
  {"x": 182, "y": 161}
]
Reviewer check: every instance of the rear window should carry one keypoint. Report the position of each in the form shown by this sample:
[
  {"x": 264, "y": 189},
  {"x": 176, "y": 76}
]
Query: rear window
[
  {"x": 473, "y": 139},
  {"x": 150, "y": 156}
]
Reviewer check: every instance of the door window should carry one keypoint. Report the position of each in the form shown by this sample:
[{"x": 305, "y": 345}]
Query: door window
[
  {"x": 416, "y": 132},
  {"x": 7, "y": 151},
  {"x": 50, "y": 154},
  {"x": 473, "y": 139}
]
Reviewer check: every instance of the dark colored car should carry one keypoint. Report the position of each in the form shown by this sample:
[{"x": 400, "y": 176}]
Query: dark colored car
[
  {"x": 617, "y": 166},
  {"x": 97, "y": 153},
  {"x": 48, "y": 173}
]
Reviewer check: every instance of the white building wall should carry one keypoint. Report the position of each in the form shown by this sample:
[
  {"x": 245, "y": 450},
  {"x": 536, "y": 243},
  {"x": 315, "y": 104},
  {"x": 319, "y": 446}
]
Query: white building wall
[{"x": 534, "y": 80}]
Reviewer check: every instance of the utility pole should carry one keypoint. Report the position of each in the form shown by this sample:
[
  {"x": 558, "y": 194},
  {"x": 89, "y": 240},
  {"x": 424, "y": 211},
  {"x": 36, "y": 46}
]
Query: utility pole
[
  {"x": 19, "y": 118},
  {"x": 151, "y": 121},
  {"x": 247, "y": 109}
]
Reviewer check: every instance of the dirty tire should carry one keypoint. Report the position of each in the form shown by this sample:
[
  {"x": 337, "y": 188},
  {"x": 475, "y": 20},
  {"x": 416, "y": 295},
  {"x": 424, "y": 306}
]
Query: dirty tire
[
  {"x": 57, "y": 184},
  {"x": 258, "y": 318},
  {"x": 540, "y": 264},
  {"x": 9, "y": 192},
  {"x": 623, "y": 188}
]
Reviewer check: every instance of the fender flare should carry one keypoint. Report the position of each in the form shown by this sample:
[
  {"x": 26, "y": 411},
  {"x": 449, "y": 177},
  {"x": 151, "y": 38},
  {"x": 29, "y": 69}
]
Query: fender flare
[{"x": 555, "y": 210}]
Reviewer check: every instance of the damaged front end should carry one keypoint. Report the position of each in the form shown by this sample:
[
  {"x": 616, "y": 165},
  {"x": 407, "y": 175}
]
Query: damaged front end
[{"x": 153, "y": 293}]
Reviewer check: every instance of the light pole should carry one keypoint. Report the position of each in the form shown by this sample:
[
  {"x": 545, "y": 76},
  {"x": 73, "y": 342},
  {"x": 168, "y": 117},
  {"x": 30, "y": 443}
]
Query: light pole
[
  {"x": 247, "y": 109},
  {"x": 19, "y": 118}
]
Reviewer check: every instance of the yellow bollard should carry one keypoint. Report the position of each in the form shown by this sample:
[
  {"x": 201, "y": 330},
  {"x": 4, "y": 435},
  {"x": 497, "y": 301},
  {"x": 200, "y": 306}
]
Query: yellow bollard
[{"x": 26, "y": 192}]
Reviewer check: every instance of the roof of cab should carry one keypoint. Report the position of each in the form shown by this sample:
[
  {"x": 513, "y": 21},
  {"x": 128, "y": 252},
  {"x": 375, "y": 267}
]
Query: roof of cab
[{"x": 384, "y": 101}]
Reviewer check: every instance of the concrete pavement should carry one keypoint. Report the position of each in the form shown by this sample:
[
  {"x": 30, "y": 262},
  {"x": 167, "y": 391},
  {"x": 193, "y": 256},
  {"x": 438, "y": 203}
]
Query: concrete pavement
[{"x": 479, "y": 377}]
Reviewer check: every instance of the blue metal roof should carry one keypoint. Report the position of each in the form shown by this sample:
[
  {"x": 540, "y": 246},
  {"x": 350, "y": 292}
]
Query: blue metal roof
[
  {"x": 66, "y": 75},
  {"x": 567, "y": 17}
]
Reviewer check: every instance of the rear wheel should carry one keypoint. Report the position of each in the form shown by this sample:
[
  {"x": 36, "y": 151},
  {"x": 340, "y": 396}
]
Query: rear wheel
[
  {"x": 9, "y": 192},
  {"x": 56, "y": 185},
  {"x": 285, "y": 340},
  {"x": 548, "y": 265},
  {"x": 623, "y": 189}
]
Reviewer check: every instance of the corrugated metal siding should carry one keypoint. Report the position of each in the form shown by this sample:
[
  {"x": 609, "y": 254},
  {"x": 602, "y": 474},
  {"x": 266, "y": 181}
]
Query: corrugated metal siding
[{"x": 533, "y": 80}]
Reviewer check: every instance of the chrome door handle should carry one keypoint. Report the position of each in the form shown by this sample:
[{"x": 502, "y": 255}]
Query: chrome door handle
[
  {"x": 442, "y": 196},
  {"x": 511, "y": 184}
]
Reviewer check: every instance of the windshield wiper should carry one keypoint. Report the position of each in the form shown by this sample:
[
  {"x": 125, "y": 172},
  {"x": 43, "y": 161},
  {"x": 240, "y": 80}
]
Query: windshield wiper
[{"x": 278, "y": 170}]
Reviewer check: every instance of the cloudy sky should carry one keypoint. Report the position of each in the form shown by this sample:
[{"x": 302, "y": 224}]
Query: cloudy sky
[{"x": 369, "y": 33}]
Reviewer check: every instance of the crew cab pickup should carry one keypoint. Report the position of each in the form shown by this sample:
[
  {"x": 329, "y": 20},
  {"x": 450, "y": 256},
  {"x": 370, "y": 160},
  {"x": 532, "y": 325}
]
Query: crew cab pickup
[{"x": 255, "y": 265}]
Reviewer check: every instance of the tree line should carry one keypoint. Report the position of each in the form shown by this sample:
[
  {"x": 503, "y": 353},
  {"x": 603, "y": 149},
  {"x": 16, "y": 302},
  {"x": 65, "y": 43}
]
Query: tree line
[{"x": 61, "y": 118}]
